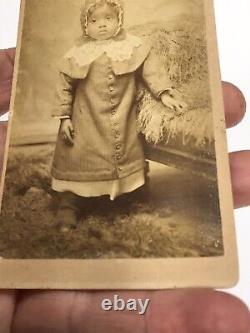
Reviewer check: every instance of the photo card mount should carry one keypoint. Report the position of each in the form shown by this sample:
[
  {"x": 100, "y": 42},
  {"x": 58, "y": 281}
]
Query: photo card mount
[{"x": 164, "y": 215}]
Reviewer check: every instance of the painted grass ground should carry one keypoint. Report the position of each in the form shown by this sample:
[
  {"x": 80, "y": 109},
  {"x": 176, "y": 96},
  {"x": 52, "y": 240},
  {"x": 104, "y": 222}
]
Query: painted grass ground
[{"x": 180, "y": 219}]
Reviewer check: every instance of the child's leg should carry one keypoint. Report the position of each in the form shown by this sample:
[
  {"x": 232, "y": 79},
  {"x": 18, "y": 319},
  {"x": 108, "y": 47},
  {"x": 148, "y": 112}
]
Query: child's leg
[{"x": 68, "y": 210}]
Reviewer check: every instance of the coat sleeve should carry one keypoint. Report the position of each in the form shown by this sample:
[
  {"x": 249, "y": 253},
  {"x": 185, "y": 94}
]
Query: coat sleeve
[
  {"x": 64, "y": 96},
  {"x": 155, "y": 76}
]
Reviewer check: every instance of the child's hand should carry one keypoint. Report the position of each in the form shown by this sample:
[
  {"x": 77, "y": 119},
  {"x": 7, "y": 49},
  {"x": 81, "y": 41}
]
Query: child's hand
[
  {"x": 173, "y": 101},
  {"x": 67, "y": 131}
]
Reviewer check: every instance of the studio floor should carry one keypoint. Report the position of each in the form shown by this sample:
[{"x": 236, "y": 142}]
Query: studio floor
[{"x": 180, "y": 218}]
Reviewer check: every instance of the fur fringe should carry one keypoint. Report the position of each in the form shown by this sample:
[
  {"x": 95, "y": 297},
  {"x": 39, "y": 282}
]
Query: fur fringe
[{"x": 160, "y": 124}]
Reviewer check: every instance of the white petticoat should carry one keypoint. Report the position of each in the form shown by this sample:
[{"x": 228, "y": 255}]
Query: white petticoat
[{"x": 113, "y": 188}]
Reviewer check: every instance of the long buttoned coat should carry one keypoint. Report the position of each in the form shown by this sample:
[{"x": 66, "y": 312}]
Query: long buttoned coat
[{"x": 99, "y": 97}]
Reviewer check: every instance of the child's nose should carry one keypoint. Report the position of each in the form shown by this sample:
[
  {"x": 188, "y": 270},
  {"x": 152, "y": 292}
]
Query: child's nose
[{"x": 102, "y": 24}]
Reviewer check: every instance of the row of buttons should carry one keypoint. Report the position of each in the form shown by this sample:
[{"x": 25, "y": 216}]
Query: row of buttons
[
  {"x": 118, "y": 146},
  {"x": 111, "y": 88},
  {"x": 111, "y": 78}
]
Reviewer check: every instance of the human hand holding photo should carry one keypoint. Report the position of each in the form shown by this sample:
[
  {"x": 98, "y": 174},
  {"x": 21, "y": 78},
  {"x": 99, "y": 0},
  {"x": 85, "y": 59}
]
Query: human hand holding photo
[
  {"x": 6, "y": 72},
  {"x": 182, "y": 311}
]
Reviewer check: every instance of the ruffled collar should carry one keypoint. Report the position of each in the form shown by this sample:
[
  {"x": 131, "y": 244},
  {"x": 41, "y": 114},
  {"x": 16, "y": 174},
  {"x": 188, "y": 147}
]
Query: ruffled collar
[{"x": 117, "y": 50}]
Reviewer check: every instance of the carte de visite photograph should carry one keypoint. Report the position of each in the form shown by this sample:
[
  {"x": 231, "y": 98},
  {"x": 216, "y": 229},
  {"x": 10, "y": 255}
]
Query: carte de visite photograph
[{"x": 116, "y": 156}]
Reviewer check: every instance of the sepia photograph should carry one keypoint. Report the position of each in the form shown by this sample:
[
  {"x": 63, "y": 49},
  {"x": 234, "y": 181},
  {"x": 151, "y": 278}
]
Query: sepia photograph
[{"x": 116, "y": 147}]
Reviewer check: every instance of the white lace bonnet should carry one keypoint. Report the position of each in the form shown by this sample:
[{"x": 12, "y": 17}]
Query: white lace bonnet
[{"x": 92, "y": 3}]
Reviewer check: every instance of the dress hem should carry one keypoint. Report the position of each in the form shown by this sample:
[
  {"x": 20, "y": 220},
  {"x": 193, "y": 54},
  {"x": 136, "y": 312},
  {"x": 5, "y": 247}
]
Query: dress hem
[{"x": 68, "y": 176}]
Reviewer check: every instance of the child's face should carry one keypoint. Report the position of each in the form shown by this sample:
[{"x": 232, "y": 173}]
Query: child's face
[{"x": 103, "y": 22}]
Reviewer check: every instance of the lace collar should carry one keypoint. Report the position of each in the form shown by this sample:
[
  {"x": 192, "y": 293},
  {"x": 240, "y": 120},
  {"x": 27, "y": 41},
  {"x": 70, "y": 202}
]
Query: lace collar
[{"x": 116, "y": 50}]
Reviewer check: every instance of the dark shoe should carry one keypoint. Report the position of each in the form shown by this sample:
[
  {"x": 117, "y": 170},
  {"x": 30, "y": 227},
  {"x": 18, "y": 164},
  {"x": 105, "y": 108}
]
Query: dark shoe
[{"x": 142, "y": 194}]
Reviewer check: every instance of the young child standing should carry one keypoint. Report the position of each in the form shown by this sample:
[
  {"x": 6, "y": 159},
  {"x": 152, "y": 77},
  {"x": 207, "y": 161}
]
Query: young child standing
[{"x": 98, "y": 150}]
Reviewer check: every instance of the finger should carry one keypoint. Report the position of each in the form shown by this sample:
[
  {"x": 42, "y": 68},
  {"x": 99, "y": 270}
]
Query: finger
[
  {"x": 10, "y": 53},
  {"x": 69, "y": 137},
  {"x": 6, "y": 73},
  {"x": 71, "y": 128},
  {"x": 7, "y": 58},
  {"x": 3, "y": 131},
  {"x": 169, "y": 105},
  {"x": 235, "y": 104},
  {"x": 240, "y": 173},
  {"x": 169, "y": 311},
  {"x": 180, "y": 105},
  {"x": 180, "y": 108},
  {"x": 7, "y": 307}
]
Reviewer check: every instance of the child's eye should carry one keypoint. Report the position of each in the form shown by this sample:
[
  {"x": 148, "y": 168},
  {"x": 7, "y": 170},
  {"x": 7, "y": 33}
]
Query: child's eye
[
  {"x": 93, "y": 20},
  {"x": 108, "y": 18}
]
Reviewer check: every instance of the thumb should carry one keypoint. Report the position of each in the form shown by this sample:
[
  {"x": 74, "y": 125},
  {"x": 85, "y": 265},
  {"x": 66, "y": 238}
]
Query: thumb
[{"x": 6, "y": 72}]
